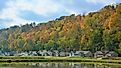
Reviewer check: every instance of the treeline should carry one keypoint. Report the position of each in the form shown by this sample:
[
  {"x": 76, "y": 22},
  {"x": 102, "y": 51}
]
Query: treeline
[{"x": 99, "y": 30}]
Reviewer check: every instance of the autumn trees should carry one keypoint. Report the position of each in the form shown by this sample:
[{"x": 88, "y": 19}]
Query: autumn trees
[{"x": 96, "y": 31}]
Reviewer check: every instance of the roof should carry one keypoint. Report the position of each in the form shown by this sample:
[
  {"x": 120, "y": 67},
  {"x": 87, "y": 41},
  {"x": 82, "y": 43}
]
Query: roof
[
  {"x": 77, "y": 52},
  {"x": 98, "y": 52},
  {"x": 84, "y": 52},
  {"x": 112, "y": 52}
]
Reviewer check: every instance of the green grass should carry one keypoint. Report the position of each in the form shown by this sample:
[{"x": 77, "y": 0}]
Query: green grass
[{"x": 56, "y": 59}]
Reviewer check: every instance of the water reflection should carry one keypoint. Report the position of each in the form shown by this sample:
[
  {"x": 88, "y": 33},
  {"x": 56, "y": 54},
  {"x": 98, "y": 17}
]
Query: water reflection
[{"x": 57, "y": 65}]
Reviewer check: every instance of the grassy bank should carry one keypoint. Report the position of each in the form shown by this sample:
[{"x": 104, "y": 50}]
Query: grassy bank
[{"x": 56, "y": 59}]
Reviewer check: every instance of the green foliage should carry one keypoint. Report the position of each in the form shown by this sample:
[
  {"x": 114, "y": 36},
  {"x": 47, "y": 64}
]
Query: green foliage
[{"x": 96, "y": 31}]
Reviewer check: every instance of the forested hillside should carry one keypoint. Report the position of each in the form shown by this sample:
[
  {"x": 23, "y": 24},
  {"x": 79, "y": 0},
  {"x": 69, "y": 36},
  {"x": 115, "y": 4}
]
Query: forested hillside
[{"x": 99, "y": 30}]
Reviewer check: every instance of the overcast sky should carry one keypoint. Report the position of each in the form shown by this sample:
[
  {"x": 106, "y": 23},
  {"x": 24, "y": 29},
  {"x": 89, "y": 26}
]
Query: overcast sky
[{"x": 16, "y": 12}]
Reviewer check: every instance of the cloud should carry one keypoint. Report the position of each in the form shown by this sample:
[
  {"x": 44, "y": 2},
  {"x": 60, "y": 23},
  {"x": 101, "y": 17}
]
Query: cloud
[
  {"x": 14, "y": 7},
  {"x": 40, "y": 7},
  {"x": 105, "y": 2},
  {"x": 36, "y": 8},
  {"x": 27, "y": 11}
]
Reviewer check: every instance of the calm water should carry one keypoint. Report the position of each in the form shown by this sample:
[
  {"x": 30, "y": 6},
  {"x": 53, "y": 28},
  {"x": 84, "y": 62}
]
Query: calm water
[{"x": 58, "y": 65}]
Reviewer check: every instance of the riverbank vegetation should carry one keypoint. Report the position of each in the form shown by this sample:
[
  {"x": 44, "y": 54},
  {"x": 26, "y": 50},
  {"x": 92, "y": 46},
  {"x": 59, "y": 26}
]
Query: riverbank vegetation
[{"x": 11, "y": 59}]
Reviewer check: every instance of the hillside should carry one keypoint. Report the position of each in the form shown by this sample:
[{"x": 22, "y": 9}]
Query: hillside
[{"x": 99, "y": 30}]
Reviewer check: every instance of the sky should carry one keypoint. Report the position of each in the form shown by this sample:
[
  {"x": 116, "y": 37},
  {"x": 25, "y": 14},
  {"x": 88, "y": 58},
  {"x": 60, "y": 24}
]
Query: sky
[{"x": 20, "y": 12}]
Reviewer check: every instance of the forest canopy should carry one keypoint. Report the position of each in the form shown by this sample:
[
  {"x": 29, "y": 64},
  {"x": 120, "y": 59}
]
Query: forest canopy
[{"x": 96, "y": 31}]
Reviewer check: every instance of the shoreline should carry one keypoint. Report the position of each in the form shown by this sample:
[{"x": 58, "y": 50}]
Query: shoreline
[{"x": 10, "y": 59}]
